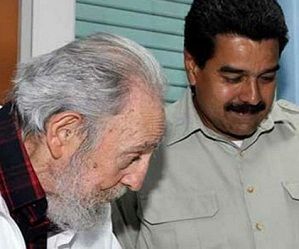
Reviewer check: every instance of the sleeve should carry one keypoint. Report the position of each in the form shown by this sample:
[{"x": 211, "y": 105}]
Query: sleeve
[
  {"x": 126, "y": 224},
  {"x": 10, "y": 235}
]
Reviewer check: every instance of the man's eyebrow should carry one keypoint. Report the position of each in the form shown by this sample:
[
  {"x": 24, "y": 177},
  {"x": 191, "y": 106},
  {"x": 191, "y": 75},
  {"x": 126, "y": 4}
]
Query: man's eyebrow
[
  {"x": 146, "y": 146},
  {"x": 230, "y": 69},
  {"x": 141, "y": 148},
  {"x": 271, "y": 70}
]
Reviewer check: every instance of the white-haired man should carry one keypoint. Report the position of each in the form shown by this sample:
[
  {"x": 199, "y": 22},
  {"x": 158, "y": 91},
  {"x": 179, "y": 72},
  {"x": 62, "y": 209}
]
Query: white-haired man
[{"x": 79, "y": 128}]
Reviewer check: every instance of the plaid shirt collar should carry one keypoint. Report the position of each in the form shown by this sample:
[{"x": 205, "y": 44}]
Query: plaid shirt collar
[{"x": 19, "y": 185}]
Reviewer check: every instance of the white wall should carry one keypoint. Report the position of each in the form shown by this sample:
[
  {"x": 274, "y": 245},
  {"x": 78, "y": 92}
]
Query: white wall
[{"x": 45, "y": 25}]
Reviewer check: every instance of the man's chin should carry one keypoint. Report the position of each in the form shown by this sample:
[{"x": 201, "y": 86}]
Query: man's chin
[
  {"x": 83, "y": 214},
  {"x": 118, "y": 193}
]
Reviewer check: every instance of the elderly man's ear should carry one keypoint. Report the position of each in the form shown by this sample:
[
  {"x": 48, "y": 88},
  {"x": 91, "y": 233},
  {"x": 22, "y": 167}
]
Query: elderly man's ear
[{"x": 62, "y": 133}]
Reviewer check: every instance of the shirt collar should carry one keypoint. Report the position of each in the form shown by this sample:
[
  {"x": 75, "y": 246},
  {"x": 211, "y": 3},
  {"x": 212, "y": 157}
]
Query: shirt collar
[
  {"x": 99, "y": 236},
  {"x": 183, "y": 120},
  {"x": 21, "y": 185},
  {"x": 279, "y": 115}
]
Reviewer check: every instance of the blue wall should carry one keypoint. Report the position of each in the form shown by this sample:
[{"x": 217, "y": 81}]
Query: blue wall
[{"x": 288, "y": 78}]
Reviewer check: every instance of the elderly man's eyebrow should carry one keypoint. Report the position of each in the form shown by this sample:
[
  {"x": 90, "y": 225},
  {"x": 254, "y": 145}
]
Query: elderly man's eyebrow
[{"x": 145, "y": 146}]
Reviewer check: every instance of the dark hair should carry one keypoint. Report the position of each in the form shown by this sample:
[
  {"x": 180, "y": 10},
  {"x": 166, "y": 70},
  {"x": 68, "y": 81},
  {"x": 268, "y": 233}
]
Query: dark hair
[{"x": 255, "y": 19}]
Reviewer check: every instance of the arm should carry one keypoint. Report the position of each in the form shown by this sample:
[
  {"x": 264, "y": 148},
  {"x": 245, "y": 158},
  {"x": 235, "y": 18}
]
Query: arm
[{"x": 126, "y": 224}]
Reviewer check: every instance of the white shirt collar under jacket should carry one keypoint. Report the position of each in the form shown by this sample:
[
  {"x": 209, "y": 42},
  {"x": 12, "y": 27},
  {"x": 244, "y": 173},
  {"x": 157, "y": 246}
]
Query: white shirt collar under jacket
[{"x": 100, "y": 236}]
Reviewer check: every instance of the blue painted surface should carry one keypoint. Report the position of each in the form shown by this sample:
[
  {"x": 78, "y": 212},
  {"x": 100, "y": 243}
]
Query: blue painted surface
[
  {"x": 288, "y": 77},
  {"x": 155, "y": 24}
]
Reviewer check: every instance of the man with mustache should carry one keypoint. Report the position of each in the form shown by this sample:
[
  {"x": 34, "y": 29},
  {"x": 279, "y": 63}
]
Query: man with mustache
[
  {"x": 78, "y": 130},
  {"x": 227, "y": 173}
]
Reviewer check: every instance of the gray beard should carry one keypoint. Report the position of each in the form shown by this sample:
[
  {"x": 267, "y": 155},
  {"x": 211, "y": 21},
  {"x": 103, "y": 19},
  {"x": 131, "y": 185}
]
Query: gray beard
[
  {"x": 68, "y": 209},
  {"x": 70, "y": 214}
]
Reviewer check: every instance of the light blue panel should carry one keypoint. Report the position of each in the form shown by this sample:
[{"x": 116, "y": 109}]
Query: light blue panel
[
  {"x": 124, "y": 18},
  {"x": 176, "y": 77},
  {"x": 156, "y": 24},
  {"x": 169, "y": 59},
  {"x": 288, "y": 78},
  {"x": 148, "y": 39},
  {"x": 173, "y": 93},
  {"x": 180, "y": 1},
  {"x": 154, "y": 7}
]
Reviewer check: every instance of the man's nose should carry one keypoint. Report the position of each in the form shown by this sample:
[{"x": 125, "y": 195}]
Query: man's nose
[
  {"x": 134, "y": 179},
  {"x": 250, "y": 92}
]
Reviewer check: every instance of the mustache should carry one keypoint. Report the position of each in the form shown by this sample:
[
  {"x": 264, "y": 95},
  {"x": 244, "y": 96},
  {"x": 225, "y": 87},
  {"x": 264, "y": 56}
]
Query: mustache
[{"x": 245, "y": 107}]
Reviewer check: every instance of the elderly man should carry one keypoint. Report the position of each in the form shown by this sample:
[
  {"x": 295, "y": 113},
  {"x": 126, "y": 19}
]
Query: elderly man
[
  {"x": 227, "y": 174},
  {"x": 80, "y": 127}
]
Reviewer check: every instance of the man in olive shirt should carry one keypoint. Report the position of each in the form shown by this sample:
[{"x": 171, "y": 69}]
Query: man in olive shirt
[{"x": 227, "y": 173}]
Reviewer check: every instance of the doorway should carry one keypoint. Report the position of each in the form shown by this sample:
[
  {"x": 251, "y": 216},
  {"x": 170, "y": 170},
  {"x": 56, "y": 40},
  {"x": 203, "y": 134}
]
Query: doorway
[{"x": 9, "y": 22}]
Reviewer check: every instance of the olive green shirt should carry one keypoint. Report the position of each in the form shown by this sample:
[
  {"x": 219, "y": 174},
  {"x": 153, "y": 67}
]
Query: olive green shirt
[{"x": 204, "y": 192}]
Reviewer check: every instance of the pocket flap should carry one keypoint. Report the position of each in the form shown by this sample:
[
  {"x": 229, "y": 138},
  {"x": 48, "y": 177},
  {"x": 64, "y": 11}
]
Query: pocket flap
[
  {"x": 159, "y": 209},
  {"x": 292, "y": 188}
]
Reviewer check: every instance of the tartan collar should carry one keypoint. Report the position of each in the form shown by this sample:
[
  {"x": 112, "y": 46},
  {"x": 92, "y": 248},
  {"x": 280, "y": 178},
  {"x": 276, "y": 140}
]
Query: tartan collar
[{"x": 21, "y": 185}]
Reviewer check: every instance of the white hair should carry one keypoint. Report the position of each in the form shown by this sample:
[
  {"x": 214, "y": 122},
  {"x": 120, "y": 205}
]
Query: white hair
[{"x": 90, "y": 76}]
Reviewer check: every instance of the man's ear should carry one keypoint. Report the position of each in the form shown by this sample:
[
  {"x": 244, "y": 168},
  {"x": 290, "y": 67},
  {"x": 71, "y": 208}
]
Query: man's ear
[
  {"x": 191, "y": 68},
  {"x": 61, "y": 132}
]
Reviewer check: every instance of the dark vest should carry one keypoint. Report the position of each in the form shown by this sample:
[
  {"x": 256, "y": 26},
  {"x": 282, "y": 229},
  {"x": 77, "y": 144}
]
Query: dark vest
[{"x": 19, "y": 186}]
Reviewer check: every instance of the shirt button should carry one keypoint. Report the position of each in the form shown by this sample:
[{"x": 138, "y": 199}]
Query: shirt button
[
  {"x": 259, "y": 226},
  {"x": 250, "y": 189}
]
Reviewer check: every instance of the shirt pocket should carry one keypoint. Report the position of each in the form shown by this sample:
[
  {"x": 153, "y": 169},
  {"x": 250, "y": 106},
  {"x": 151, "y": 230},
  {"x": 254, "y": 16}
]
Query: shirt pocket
[
  {"x": 168, "y": 222},
  {"x": 292, "y": 189}
]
